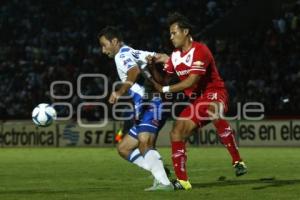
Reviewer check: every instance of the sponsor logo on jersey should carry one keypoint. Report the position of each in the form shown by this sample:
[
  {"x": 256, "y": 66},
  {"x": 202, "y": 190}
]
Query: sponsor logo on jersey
[
  {"x": 128, "y": 60},
  {"x": 198, "y": 64},
  {"x": 182, "y": 72},
  {"x": 136, "y": 54}
]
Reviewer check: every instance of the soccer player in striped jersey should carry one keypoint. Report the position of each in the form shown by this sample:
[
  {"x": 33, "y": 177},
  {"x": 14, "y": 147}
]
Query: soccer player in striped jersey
[{"x": 138, "y": 145}]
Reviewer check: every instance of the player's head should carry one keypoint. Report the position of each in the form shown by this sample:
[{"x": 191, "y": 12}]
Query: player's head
[
  {"x": 110, "y": 40},
  {"x": 180, "y": 29}
]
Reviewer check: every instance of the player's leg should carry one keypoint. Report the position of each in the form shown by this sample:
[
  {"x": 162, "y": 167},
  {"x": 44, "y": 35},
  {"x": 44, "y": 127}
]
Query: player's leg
[
  {"x": 162, "y": 122},
  {"x": 147, "y": 131},
  {"x": 181, "y": 130},
  {"x": 189, "y": 120},
  {"x": 225, "y": 132},
  {"x": 154, "y": 162},
  {"x": 128, "y": 149},
  {"x": 152, "y": 157},
  {"x": 126, "y": 146}
]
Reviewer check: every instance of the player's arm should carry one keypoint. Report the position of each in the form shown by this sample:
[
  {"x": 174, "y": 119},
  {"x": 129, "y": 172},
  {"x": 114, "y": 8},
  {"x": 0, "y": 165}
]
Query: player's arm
[
  {"x": 198, "y": 68},
  {"x": 182, "y": 85},
  {"x": 188, "y": 82},
  {"x": 159, "y": 75},
  {"x": 132, "y": 75},
  {"x": 161, "y": 58},
  {"x": 162, "y": 77}
]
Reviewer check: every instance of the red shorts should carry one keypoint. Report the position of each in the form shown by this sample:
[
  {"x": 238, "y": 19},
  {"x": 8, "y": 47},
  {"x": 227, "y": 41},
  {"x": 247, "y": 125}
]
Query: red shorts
[{"x": 197, "y": 110}]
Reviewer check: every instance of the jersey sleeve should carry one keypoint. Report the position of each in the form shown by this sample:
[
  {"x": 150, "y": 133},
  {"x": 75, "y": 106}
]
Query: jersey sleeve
[
  {"x": 201, "y": 60},
  {"x": 169, "y": 67},
  {"x": 126, "y": 62},
  {"x": 140, "y": 57}
]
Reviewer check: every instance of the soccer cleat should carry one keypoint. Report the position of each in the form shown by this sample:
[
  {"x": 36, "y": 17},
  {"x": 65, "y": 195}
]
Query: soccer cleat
[
  {"x": 181, "y": 185},
  {"x": 160, "y": 187},
  {"x": 240, "y": 168}
]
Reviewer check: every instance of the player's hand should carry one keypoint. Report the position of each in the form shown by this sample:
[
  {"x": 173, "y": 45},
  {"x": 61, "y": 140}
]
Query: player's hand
[
  {"x": 161, "y": 58},
  {"x": 150, "y": 59},
  {"x": 158, "y": 58},
  {"x": 114, "y": 97}
]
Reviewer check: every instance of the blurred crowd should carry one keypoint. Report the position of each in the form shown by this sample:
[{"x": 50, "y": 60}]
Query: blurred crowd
[
  {"x": 41, "y": 42},
  {"x": 263, "y": 65}
]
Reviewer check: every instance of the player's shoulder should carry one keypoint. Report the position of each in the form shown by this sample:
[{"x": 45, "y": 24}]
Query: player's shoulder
[
  {"x": 127, "y": 51},
  {"x": 199, "y": 45},
  {"x": 123, "y": 56},
  {"x": 202, "y": 49},
  {"x": 123, "y": 52}
]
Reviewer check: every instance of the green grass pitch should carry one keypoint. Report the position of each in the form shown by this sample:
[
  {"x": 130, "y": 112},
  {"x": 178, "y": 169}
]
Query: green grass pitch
[{"x": 99, "y": 173}]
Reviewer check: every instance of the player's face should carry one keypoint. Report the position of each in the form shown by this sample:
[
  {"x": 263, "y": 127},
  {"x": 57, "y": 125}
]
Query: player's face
[
  {"x": 177, "y": 35},
  {"x": 108, "y": 47}
]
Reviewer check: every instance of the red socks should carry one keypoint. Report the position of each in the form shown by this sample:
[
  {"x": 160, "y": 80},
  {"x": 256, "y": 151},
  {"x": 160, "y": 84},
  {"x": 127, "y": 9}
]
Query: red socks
[
  {"x": 179, "y": 159},
  {"x": 226, "y": 135},
  {"x": 227, "y": 138}
]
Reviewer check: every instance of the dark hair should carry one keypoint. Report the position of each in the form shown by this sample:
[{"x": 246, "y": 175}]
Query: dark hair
[
  {"x": 111, "y": 32},
  {"x": 181, "y": 20}
]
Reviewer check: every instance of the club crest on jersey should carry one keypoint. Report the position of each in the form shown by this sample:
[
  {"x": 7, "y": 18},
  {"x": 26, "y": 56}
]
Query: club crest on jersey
[{"x": 185, "y": 60}]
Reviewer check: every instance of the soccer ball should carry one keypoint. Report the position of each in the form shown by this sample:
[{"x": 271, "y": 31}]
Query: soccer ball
[{"x": 43, "y": 115}]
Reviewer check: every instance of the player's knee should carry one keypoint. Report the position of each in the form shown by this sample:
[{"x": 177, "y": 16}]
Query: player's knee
[
  {"x": 175, "y": 135},
  {"x": 122, "y": 150},
  {"x": 214, "y": 111},
  {"x": 143, "y": 148},
  {"x": 145, "y": 143},
  {"x": 181, "y": 130},
  {"x": 177, "y": 132}
]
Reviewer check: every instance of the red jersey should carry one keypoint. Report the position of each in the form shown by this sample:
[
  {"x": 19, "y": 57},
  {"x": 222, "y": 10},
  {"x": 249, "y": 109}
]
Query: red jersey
[{"x": 197, "y": 60}]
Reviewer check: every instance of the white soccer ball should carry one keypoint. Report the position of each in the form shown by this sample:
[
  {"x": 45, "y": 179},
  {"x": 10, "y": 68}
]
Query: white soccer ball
[{"x": 43, "y": 115}]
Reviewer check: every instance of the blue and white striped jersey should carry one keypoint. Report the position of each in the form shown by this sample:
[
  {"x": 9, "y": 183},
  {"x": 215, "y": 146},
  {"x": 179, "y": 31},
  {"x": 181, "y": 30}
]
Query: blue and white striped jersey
[{"x": 127, "y": 58}]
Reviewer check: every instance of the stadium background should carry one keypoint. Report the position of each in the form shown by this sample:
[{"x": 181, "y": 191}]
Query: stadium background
[{"x": 256, "y": 46}]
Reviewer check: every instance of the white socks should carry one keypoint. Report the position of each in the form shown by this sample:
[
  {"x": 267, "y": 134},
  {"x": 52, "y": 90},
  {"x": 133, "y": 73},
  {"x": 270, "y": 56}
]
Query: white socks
[
  {"x": 137, "y": 158},
  {"x": 153, "y": 160}
]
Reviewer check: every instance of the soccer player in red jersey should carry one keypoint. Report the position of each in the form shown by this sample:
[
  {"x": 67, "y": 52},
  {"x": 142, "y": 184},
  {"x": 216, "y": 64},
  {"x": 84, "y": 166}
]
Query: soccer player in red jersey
[{"x": 195, "y": 66}]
